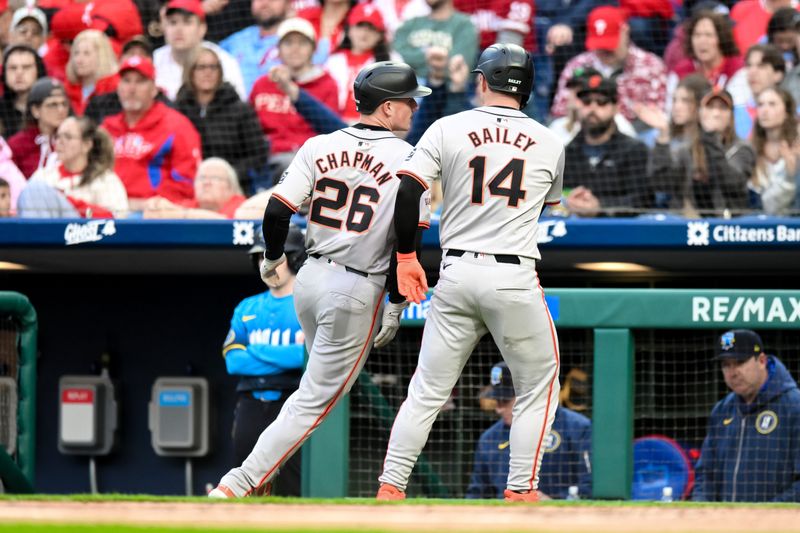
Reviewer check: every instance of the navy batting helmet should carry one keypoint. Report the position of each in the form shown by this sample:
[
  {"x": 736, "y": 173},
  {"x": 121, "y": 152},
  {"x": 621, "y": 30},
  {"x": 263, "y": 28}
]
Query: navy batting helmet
[
  {"x": 508, "y": 69},
  {"x": 294, "y": 248},
  {"x": 385, "y": 80}
]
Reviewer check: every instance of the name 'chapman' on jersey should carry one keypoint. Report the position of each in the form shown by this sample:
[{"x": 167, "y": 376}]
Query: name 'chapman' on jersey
[{"x": 357, "y": 160}]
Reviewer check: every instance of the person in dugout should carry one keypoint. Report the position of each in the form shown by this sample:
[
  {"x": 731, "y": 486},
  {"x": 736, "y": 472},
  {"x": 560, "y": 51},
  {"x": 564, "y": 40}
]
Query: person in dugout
[
  {"x": 265, "y": 350},
  {"x": 566, "y": 461}
]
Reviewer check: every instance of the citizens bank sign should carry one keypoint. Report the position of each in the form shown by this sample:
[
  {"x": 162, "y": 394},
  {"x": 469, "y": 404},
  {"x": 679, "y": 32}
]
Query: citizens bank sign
[
  {"x": 747, "y": 309},
  {"x": 704, "y": 234}
]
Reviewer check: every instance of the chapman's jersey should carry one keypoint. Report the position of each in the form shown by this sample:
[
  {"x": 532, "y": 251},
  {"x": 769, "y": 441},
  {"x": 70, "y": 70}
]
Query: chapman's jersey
[
  {"x": 350, "y": 177},
  {"x": 498, "y": 168}
]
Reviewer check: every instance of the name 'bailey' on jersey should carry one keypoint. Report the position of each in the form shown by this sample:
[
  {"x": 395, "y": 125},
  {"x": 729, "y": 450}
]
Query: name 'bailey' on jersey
[{"x": 498, "y": 169}]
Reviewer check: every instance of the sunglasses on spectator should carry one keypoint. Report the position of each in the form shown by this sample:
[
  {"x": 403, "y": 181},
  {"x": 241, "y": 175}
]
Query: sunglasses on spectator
[{"x": 599, "y": 100}]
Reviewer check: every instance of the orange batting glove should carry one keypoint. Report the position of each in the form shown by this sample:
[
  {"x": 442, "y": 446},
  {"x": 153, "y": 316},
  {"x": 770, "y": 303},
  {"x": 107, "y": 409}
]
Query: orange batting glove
[{"x": 411, "y": 281}]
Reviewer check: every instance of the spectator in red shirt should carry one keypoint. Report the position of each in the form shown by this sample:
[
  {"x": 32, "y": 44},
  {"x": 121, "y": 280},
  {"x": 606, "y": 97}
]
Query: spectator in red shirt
[
  {"x": 750, "y": 19},
  {"x": 712, "y": 52},
  {"x": 157, "y": 149},
  {"x": 274, "y": 95},
  {"x": 216, "y": 195},
  {"x": 501, "y": 21},
  {"x": 641, "y": 77},
  {"x": 34, "y": 146},
  {"x": 91, "y": 69}
]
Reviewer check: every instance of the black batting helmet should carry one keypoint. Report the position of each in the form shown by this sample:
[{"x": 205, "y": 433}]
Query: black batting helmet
[
  {"x": 294, "y": 248},
  {"x": 508, "y": 69},
  {"x": 385, "y": 80}
]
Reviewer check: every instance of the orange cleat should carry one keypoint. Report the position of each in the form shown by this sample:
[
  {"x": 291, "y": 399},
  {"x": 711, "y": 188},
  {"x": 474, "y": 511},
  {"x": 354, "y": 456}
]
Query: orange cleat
[
  {"x": 530, "y": 497},
  {"x": 390, "y": 492},
  {"x": 221, "y": 492}
]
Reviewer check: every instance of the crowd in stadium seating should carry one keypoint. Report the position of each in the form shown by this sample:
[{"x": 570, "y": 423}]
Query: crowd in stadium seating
[{"x": 672, "y": 106}]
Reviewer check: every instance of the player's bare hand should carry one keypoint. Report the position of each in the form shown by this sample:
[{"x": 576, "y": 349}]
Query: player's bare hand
[
  {"x": 268, "y": 266},
  {"x": 411, "y": 280},
  {"x": 390, "y": 323}
]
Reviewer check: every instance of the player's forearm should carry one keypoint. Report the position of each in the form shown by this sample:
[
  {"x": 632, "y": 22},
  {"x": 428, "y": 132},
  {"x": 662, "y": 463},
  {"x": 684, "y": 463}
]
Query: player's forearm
[
  {"x": 406, "y": 214},
  {"x": 276, "y": 227}
]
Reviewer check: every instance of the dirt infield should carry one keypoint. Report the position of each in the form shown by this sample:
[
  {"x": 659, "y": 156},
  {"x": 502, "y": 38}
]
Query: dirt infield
[{"x": 540, "y": 518}]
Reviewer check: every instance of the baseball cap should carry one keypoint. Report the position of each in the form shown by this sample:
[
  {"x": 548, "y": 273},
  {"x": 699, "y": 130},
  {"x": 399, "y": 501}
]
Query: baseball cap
[
  {"x": 43, "y": 88},
  {"x": 604, "y": 26},
  {"x": 739, "y": 344},
  {"x": 29, "y": 12},
  {"x": 580, "y": 74},
  {"x": 599, "y": 85},
  {"x": 297, "y": 25},
  {"x": 502, "y": 385},
  {"x": 193, "y": 7},
  {"x": 140, "y": 64},
  {"x": 366, "y": 13},
  {"x": 138, "y": 40},
  {"x": 721, "y": 94}
]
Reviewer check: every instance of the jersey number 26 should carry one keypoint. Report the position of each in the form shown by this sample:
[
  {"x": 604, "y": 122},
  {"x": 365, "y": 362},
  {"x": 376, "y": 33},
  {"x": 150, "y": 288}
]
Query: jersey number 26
[{"x": 360, "y": 213}]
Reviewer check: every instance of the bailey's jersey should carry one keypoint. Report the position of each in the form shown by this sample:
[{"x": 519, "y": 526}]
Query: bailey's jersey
[
  {"x": 349, "y": 175},
  {"x": 498, "y": 168}
]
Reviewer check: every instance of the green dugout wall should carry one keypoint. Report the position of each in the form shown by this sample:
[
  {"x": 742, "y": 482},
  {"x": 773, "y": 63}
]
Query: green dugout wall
[
  {"x": 612, "y": 314},
  {"x": 18, "y": 472}
]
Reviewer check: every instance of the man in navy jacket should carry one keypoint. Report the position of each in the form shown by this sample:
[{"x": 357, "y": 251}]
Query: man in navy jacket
[
  {"x": 566, "y": 459},
  {"x": 752, "y": 450}
]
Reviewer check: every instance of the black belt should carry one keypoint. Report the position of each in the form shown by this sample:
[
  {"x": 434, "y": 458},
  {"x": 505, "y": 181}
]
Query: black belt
[
  {"x": 500, "y": 258},
  {"x": 347, "y": 268}
]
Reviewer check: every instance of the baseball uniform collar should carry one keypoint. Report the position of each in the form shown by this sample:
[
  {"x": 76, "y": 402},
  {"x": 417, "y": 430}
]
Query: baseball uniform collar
[{"x": 361, "y": 126}]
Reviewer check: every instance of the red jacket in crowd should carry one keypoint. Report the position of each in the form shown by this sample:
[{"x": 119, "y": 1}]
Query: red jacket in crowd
[
  {"x": 119, "y": 19},
  {"x": 157, "y": 156},
  {"x": 75, "y": 92},
  {"x": 282, "y": 124},
  {"x": 493, "y": 16}
]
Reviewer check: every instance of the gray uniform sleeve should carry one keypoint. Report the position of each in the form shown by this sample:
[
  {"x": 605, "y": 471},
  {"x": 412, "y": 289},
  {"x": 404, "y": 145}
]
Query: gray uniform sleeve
[
  {"x": 554, "y": 194},
  {"x": 296, "y": 182},
  {"x": 424, "y": 163}
]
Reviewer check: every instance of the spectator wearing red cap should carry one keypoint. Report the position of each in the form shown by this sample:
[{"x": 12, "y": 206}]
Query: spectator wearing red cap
[
  {"x": 501, "y": 21},
  {"x": 157, "y": 149},
  {"x": 640, "y": 75},
  {"x": 364, "y": 44},
  {"x": 274, "y": 95},
  {"x": 184, "y": 29},
  {"x": 256, "y": 47},
  {"x": 91, "y": 69}
]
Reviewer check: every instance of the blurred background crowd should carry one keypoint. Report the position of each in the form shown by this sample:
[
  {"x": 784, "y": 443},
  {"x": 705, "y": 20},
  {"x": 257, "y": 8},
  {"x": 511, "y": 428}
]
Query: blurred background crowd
[{"x": 192, "y": 109}]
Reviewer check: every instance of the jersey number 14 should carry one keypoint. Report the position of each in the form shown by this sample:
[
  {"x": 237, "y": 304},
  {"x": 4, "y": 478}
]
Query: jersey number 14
[{"x": 511, "y": 173}]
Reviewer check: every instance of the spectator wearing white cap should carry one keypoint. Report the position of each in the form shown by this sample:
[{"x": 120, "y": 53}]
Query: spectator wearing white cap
[
  {"x": 29, "y": 27},
  {"x": 274, "y": 96}
]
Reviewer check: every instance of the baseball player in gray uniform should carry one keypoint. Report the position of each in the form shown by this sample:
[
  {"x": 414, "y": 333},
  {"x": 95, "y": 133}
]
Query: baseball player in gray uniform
[
  {"x": 349, "y": 175},
  {"x": 498, "y": 168}
]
